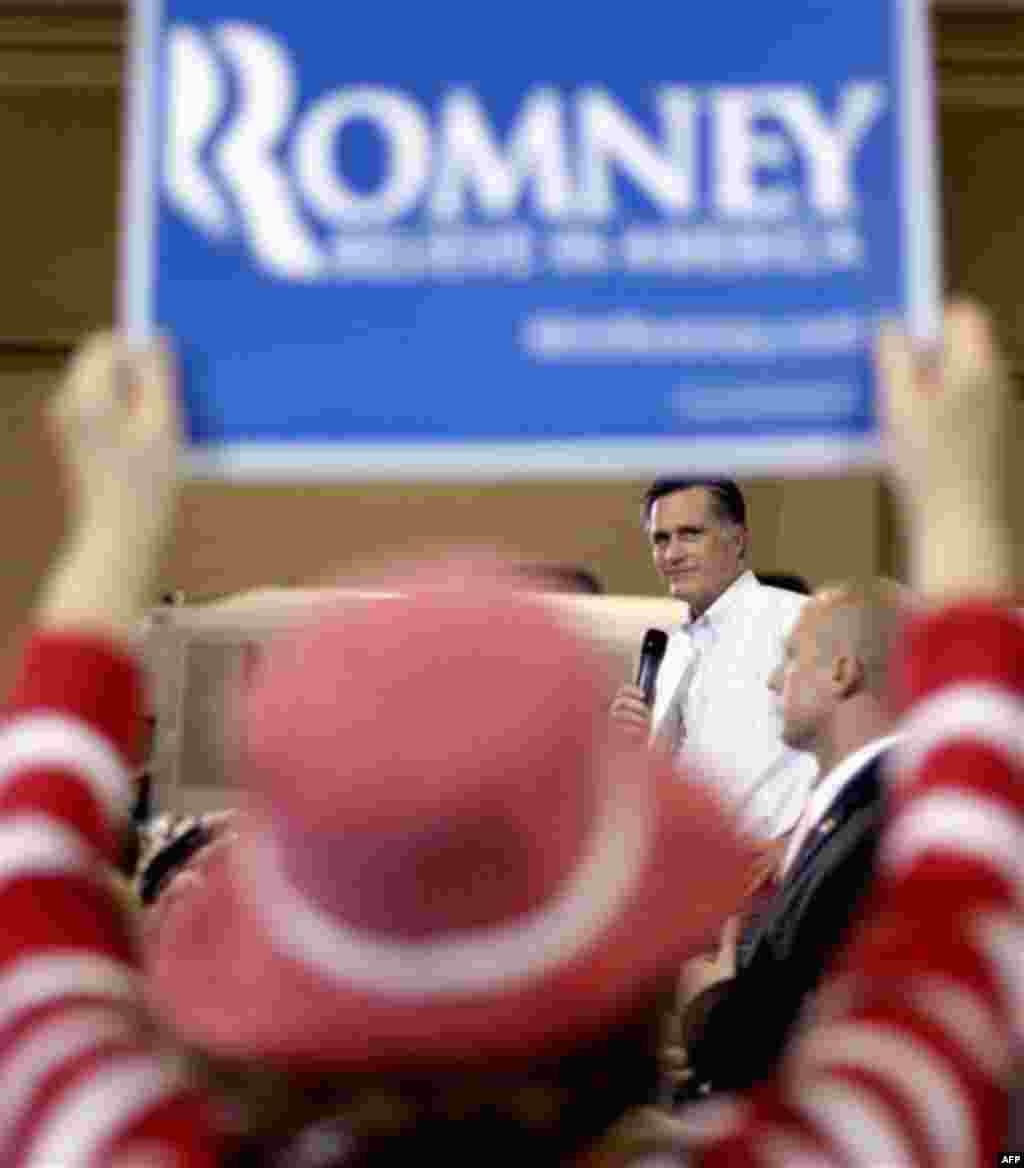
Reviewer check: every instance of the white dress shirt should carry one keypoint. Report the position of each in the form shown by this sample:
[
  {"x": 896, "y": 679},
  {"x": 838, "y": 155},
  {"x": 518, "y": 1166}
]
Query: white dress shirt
[
  {"x": 712, "y": 701},
  {"x": 827, "y": 790}
]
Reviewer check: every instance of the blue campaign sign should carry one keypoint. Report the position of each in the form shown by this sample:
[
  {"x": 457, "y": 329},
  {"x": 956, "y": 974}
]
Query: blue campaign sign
[{"x": 423, "y": 242}]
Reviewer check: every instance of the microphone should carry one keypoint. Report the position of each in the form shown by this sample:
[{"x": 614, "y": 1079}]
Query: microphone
[
  {"x": 142, "y": 811},
  {"x": 652, "y": 650}
]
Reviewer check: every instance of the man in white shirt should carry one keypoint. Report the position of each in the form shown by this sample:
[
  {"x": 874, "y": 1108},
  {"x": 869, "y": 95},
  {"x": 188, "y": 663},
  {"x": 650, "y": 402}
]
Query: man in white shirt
[{"x": 712, "y": 701}]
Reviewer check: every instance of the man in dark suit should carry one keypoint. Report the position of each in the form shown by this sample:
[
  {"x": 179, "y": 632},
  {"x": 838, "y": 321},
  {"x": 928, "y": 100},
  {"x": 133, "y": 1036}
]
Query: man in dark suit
[{"x": 832, "y": 688}]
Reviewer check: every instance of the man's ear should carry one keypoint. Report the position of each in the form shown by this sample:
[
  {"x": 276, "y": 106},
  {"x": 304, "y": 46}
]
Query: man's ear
[
  {"x": 742, "y": 542},
  {"x": 847, "y": 674}
]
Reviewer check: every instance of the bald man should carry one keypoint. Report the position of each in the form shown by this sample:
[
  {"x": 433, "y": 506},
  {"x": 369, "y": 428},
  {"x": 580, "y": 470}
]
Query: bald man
[{"x": 832, "y": 690}]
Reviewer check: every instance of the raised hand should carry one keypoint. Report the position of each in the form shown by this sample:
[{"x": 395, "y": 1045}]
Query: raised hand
[
  {"x": 116, "y": 423},
  {"x": 945, "y": 424}
]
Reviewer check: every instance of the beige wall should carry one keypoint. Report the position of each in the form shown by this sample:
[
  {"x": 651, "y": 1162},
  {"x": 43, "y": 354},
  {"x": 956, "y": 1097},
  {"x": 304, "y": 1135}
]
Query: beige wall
[
  {"x": 305, "y": 533},
  {"x": 59, "y": 117}
]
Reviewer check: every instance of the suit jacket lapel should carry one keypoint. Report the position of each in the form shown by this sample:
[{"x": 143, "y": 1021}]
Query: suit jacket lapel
[{"x": 861, "y": 790}]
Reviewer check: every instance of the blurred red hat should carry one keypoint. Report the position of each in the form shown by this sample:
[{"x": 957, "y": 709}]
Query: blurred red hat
[{"x": 445, "y": 855}]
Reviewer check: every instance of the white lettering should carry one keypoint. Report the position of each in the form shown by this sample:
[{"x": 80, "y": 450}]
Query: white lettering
[
  {"x": 404, "y": 128},
  {"x": 830, "y": 153},
  {"x": 607, "y": 136},
  {"x": 781, "y": 192},
  {"x": 470, "y": 159},
  {"x": 245, "y": 157},
  {"x": 386, "y": 256},
  {"x": 198, "y": 98},
  {"x": 579, "y": 251},
  {"x": 742, "y": 150}
]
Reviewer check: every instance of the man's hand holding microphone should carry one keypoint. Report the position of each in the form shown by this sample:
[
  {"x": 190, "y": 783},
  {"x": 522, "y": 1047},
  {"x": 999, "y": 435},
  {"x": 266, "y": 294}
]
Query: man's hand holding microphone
[{"x": 631, "y": 709}]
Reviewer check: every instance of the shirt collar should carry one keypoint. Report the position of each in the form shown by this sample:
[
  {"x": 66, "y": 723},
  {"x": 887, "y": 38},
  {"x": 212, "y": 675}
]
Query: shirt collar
[
  {"x": 717, "y": 615},
  {"x": 840, "y": 775},
  {"x": 829, "y": 787}
]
